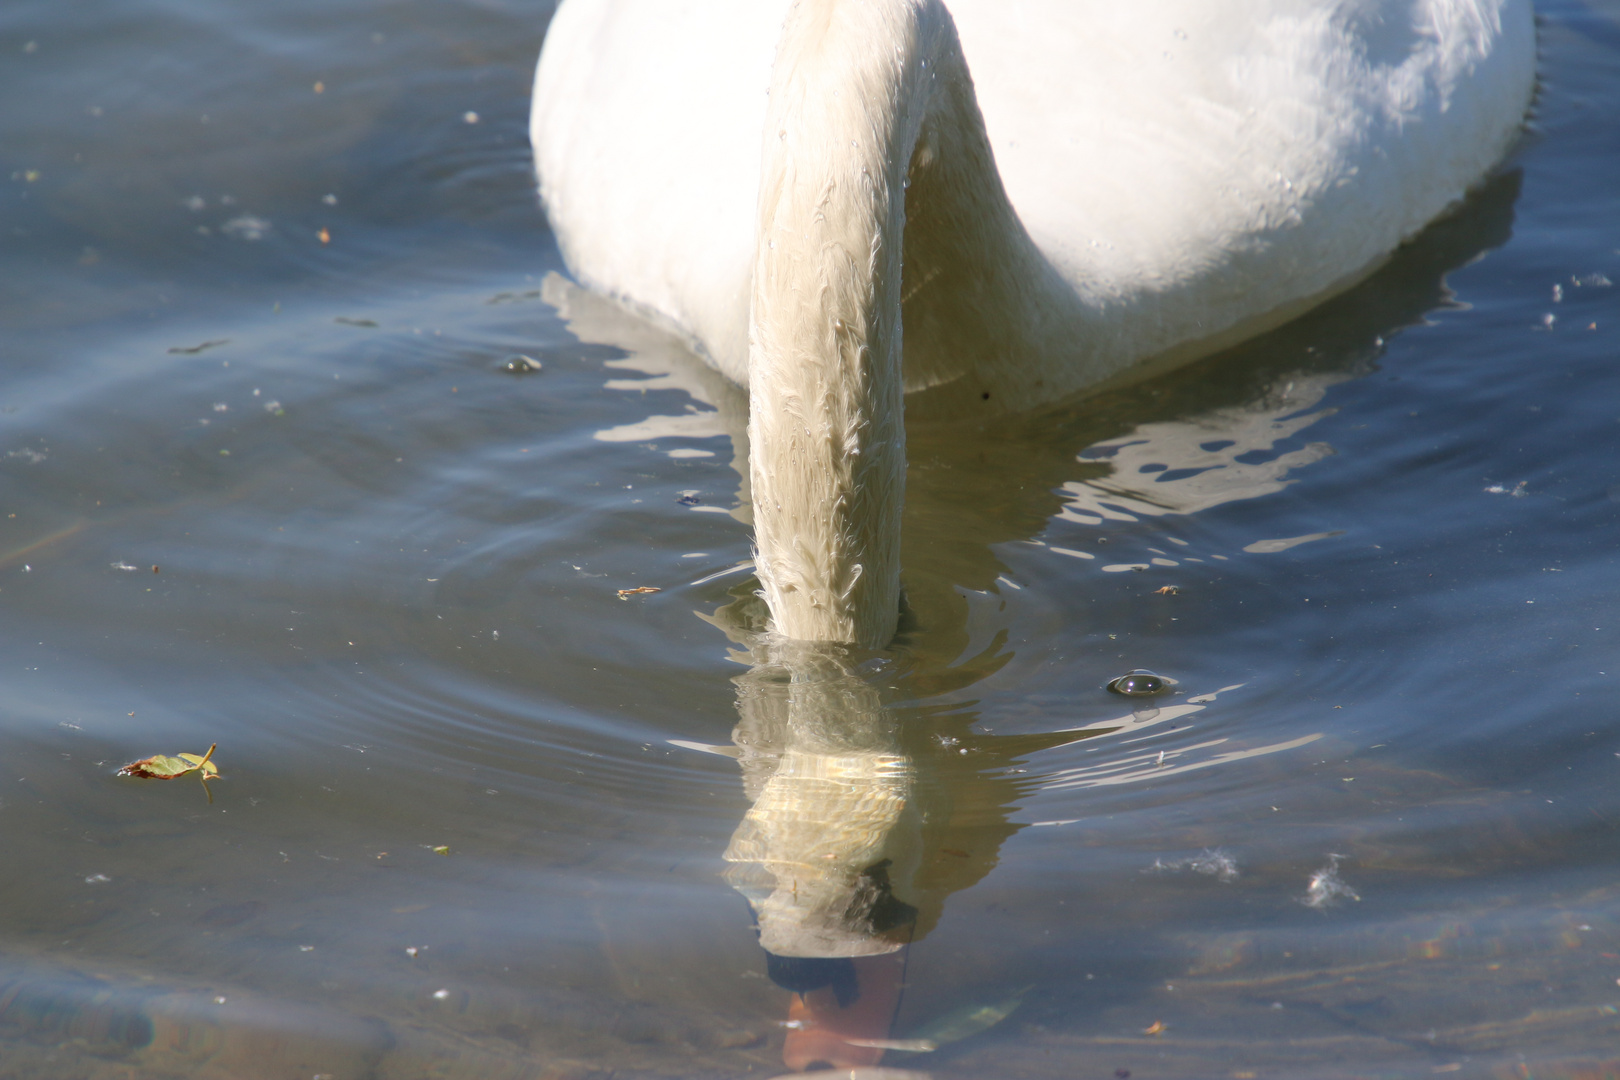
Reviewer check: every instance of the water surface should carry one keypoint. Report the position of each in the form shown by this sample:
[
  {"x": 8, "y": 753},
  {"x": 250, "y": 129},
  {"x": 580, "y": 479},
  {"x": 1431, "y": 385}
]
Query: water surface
[{"x": 265, "y": 483}]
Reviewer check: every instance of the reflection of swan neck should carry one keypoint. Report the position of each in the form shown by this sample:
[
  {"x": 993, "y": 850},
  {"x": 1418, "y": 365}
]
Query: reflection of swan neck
[{"x": 850, "y": 93}]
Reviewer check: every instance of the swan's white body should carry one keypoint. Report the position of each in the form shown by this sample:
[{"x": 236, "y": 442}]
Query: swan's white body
[{"x": 782, "y": 182}]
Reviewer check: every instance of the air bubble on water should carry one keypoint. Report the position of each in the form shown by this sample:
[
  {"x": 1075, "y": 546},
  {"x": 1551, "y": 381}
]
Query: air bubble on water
[{"x": 1140, "y": 683}]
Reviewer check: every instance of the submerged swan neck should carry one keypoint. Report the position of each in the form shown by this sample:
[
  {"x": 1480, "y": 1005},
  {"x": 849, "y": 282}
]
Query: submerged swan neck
[{"x": 849, "y": 94}]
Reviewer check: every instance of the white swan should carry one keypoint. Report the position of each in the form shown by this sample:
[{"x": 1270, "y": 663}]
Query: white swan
[{"x": 790, "y": 185}]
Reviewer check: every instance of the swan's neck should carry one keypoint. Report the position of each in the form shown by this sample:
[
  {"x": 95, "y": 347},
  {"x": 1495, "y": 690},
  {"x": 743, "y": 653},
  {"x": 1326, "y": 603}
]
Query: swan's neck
[{"x": 849, "y": 94}]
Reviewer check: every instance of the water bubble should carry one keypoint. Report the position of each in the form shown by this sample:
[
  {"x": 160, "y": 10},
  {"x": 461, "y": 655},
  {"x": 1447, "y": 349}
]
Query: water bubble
[
  {"x": 1140, "y": 683},
  {"x": 521, "y": 365}
]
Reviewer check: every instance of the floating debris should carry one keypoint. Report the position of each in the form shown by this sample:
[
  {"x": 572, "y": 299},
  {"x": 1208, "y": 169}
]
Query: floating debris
[
  {"x": 1168, "y": 590},
  {"x": 1271, "y": 547},
  {"x": 1517, "y": 491},
  {"x": 1155, "y": 1028},
  {"x": 521, "y": 365},
  {"x": 1211, "y": 862},
  {"x": 164, "y": 767},
  {"x": 193, "y": 350},
  {"x": 1327, "y": 886},
  {"x": 625, "y": 594},
  {"x": 247, "y": 227},
  {"x": 1140, "y": 683}
]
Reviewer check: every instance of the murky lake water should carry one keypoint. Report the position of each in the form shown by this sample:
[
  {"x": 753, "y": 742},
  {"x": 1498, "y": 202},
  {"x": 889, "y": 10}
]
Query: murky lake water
[{"x": 264, "y": 484}]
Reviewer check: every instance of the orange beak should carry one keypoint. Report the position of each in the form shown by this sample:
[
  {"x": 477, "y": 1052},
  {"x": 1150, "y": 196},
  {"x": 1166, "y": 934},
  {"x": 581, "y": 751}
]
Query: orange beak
[{"x": 822, "y": 1028}]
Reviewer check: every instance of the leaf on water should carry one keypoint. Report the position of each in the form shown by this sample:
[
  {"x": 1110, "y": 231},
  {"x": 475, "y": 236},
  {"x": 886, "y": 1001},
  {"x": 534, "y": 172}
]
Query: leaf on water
[
  {"x": 201, "y": 762},
  {"x": 164, "y": 767}
]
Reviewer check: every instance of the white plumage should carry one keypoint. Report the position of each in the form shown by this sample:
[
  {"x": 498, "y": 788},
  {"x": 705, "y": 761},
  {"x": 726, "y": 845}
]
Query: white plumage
[{"x": 808, "y": 194}]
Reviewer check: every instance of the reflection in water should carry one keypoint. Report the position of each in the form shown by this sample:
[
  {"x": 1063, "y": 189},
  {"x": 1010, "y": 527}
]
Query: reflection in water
[
  {"x": 1224, "y": 430},
  {"x": 861, "y": 826},
  {"x": 865, "y": 819},
  {"x": 1178, "y": 466},
  {"x": 721, "y": 406},
  {"x": 1187, "y": 465}
]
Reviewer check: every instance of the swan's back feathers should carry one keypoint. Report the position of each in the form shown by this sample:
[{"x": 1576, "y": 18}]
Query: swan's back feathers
[
  {"x": 1209, "y": 161},
  {"x": 1189, "y": 168}
]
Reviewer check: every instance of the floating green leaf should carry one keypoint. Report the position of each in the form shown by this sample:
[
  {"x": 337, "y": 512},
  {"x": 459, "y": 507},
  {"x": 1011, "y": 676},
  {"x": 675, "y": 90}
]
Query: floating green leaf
[{"x": 164, "y": 767}]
